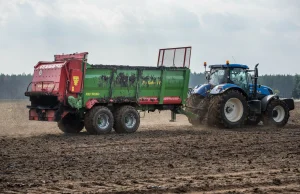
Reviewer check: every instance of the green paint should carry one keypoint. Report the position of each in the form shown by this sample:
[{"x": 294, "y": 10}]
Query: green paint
[
  {"x": 119, "y": 82},
  {"x": 75, "y": 102}
]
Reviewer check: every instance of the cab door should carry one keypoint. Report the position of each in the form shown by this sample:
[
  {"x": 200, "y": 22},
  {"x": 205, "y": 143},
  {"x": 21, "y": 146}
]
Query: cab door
[{"x": 239, "y": 76}]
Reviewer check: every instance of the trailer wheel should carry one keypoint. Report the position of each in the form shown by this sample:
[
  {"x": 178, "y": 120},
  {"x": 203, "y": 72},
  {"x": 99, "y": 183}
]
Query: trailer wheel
[
  {"x": 277, "y": 113},
  {"x": 71, "y": 123},
  {"x": 228, "y": 109},
  {"x": 99, "y": 120},
  {"x": 127, "y": 120},
  {"x": 198, "y": 102}
]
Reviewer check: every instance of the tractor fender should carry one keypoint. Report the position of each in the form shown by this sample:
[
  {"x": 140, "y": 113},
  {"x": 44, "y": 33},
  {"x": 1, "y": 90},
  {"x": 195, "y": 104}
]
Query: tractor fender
[
  {"x": 202, "y": 90},
  {"x": 265, "y": 101},
  {"x": 219, "y": 89}
]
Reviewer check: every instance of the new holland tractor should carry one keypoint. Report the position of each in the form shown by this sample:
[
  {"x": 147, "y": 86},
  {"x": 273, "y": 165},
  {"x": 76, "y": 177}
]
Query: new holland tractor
[{"x": 232, "y": 97}]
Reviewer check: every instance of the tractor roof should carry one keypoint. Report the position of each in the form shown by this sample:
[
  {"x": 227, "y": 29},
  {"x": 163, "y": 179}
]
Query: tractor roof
[{"x": 230, "y": 66}]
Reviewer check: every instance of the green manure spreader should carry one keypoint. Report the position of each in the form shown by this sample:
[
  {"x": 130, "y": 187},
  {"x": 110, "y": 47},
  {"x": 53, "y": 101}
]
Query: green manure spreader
[{"x": 76, "y": 94}]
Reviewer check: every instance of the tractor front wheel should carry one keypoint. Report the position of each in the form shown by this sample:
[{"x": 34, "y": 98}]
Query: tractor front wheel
[
  {"x": 228, "y": 109},
  {"x": 99, "y": 120},
  {"x": 277, "y": 113},
  {"x": 71, "y": 123}
]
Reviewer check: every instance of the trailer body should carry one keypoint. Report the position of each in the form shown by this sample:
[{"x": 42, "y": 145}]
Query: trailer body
[
  {"x": 143, "y": 86},
  {"x": 69, "y": 85}
]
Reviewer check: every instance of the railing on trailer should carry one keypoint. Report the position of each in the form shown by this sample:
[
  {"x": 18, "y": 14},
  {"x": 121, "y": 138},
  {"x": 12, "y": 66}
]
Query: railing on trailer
[{"x": 174, "y": 57}]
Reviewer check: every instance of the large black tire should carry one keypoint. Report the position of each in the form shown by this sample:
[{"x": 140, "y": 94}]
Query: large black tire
[
  {"x": 99, "y": 120},
  {"x": 71, "y": 123},
  {"x": 198, "y": 105},
  {"x": 227, "y": 110},
  {"x": 277, "y": 113},
  {"x": 127, "y": 120}
]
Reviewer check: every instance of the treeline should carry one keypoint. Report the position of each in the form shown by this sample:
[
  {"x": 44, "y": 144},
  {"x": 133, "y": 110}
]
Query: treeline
[{"x": 14, "y": 86}]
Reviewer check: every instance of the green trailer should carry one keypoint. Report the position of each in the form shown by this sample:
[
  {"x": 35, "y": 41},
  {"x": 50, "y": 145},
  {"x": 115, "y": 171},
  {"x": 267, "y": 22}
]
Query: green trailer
[{"x": 100, "y": 98}]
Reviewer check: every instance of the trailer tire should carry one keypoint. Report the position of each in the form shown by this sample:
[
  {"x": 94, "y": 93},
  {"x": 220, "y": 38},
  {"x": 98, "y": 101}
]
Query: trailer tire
[
  {"x": 229, "y": 109},
  {"x": 277, "y": 113},
  {"x": 99, "y": 120},
  {"x": 71, "y": 123},
  {"x": 127, "y": 120}
]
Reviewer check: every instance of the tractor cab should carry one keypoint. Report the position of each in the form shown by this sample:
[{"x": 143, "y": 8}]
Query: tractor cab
[
  {"x": 222, "y": 77},
  {"x": 229, "y": 74}
]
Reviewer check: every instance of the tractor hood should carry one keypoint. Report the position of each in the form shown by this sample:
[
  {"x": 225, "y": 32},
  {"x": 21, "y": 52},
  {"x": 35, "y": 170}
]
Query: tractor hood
[
  {"x": 262, "y": 90},
  {"x": 202, "y": 90}
]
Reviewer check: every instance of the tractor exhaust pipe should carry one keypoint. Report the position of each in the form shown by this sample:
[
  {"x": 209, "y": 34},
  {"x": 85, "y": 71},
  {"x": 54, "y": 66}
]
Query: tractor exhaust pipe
[{"x": 255, "y": 81}]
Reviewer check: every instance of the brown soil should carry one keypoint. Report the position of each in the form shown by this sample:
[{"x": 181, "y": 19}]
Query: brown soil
[{"x": 162, "y": 157}]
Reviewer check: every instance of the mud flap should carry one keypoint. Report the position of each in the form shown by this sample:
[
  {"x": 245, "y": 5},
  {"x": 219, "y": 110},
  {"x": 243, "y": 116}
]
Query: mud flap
[{"x": 290, "y": 103}]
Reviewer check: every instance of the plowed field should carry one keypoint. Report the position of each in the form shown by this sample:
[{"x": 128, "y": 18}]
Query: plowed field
[{"x": 162, "y": 157}]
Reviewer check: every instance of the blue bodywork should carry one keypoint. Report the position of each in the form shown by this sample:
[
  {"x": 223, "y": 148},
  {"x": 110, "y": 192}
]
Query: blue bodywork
[
  {"x": 207, "y": 89},
  {"x": 202, "y": 90},
  {"x": 223, "y": 87},
  {"x": 262, "y": 90}
]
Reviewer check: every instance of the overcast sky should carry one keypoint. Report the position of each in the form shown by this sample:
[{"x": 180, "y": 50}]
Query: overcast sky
[{"x": 130, "y": 32}]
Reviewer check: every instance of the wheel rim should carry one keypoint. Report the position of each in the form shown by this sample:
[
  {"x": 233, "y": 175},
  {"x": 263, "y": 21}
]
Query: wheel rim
[
  {"x": 130, "y": 120},
  {"x": 103, "y": 121},
  {"x": 278, "y": 113},
  {"x": 233, "y": 109}
]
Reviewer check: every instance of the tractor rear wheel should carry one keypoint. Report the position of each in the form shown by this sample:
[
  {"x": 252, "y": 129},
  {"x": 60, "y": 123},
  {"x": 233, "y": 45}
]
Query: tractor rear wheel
[
  {"x": 99, "y": 120},
  {"x": 198, "y": 105},
  {"x": 277, "y": 113},
  {"x": 228, "y": 109},
  {"x": 71, "y": 123},
  {"x": 127, "y": 120}
]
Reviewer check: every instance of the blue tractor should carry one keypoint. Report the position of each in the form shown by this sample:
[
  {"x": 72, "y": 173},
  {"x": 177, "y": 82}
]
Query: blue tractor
[{"x": 232, "y": 97}]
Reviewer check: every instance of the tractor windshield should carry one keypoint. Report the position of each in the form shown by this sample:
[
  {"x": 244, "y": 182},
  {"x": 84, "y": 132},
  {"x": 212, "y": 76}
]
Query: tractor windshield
[{"x": 217, "y": 76}]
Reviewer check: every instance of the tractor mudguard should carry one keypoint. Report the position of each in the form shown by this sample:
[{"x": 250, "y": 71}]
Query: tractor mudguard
[
  {"x": 265, "y": 101},
  {"x": 202, "y": 90},
  {"x": 261, "y": 89},
  {"x": 289, "y": 102},
  {"x": 219, "y": 89}
]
